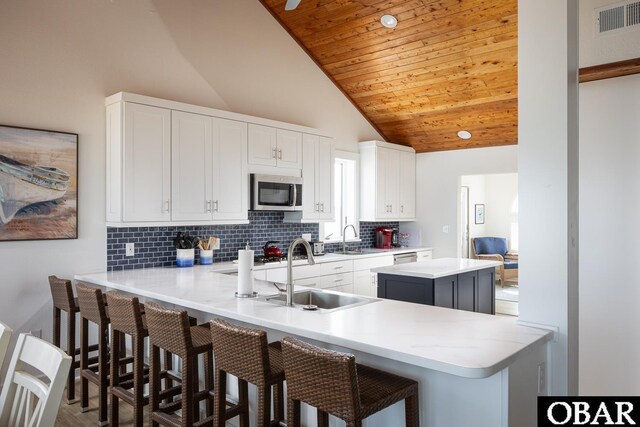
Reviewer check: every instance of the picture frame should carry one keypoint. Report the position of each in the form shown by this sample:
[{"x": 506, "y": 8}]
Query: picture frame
[
  {"x": 38, "y": 184},
  {"x": 479, "y": 211}
]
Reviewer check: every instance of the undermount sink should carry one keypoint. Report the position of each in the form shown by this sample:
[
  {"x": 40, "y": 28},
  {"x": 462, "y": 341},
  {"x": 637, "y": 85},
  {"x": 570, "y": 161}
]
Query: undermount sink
[{"x": 324, "y": 300}]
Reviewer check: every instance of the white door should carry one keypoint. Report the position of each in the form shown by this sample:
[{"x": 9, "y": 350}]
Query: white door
[
  {"x": 309, "y": 184},
  {"x": 407, "y": 185},
  {"x": 325, "y": 178},
  {"x": 289, "y": 149},
  {"x": 147, "y": 163},
  {"x": 464, "y": 222},
  {"x": 230, "y": 179},
  {"x": 191, "y": 166},
  {"x": 262, "y": 145}
]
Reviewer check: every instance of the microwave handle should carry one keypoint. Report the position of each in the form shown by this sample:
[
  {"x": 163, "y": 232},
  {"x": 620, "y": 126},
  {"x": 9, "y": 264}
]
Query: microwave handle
[{"x": 293, "y": 194}]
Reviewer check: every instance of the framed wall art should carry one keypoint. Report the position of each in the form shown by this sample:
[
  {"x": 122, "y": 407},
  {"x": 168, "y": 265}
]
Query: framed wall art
[
  {"x": 479, "y": 214},
  {"x": 38, "y": 184}
]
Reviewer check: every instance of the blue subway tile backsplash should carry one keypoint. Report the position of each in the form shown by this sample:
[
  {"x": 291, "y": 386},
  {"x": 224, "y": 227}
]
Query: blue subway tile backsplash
[{"x": 154, "y": 245}]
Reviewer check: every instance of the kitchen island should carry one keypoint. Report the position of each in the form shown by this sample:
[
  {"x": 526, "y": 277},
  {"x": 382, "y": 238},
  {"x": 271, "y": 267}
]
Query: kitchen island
[
  {"x": 459, "y": 283},
  {"x": 473, "y": 369}
]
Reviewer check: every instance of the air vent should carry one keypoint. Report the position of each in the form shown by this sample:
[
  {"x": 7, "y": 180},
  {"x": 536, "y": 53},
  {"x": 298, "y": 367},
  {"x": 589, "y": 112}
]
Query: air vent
[{"x": 618, "y": 17}]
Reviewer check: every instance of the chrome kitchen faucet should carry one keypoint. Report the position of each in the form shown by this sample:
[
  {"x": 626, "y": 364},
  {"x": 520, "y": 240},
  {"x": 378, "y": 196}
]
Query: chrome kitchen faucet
[{"x": 310, "y": 259}]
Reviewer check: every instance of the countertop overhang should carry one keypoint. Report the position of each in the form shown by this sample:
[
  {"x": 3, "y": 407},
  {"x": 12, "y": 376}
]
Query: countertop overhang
[
  {"x": 436, "y": 268},
  {"x": 456, "y": 342}
]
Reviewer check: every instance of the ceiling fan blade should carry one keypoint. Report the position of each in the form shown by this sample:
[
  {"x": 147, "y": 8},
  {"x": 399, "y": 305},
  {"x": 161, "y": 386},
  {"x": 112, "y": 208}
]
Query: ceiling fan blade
[{"x": 291, "y": 4}]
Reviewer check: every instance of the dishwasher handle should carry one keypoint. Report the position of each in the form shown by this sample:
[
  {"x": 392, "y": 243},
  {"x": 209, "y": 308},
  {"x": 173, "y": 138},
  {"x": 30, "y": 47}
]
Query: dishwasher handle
[{"x": 405, "y": 258}]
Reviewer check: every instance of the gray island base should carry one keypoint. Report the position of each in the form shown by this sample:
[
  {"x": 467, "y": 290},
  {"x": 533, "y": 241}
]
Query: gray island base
[
  {"x": 456, "y": 283},
  {"x": 473, "y": 369}
]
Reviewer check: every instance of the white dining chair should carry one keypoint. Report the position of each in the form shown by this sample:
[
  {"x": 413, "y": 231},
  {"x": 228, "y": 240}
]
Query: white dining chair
[
  {"x": 5, "y": 337},
  {"x": 27, "y": 398}
]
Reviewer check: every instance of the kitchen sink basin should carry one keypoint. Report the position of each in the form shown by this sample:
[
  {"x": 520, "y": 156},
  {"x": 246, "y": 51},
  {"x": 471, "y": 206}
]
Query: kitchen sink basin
[{"x": 324, "y": 300}]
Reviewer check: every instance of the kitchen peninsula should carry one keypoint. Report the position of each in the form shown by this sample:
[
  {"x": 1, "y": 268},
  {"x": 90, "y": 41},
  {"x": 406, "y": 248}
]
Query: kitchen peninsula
[
  {"x": 486, "y": 365},
  {"x": 460, "y": 283}
]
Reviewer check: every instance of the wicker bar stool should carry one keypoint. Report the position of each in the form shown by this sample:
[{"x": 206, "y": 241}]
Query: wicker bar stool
[
  {"x": 170, "y": 330},
  {"x": 336, "y": 385},
  {"x": 93, "y": 308},
  {"x": 63, "y": 300},
  {"x": 245, "y": 353}
]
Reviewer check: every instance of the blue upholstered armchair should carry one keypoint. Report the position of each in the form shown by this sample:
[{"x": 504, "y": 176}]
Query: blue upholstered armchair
[{"x": 495, "y": 248}]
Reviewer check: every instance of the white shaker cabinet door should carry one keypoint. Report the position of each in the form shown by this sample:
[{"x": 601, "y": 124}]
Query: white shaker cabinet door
[
  {"x": 262, "y": 145},
  {"x": 289, "y": 149},
  {"x": 191, "y": 136},
  {"x": 230, "y": 179},
  {"x": 147, "y": 163},
  {"x": 407, "y": 185},
  {"x": 325, "y": 178},
  {"x": 310, "y": 205}
]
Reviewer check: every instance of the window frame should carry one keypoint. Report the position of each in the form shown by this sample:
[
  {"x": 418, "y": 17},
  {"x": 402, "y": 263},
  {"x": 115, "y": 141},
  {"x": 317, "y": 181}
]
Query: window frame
[{"x": 355, "y": 157}]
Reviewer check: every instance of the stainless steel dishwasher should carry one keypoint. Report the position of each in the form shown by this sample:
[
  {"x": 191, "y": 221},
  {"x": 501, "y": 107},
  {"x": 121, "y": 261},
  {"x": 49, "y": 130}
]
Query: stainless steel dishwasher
[{"x": 405, "y": 258}]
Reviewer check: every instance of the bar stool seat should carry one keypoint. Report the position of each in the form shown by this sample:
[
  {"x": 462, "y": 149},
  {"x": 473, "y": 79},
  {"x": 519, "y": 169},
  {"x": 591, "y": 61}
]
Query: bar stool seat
[
  {"x": 244, "y": 353},
  {"x": 333, "y": 383}
]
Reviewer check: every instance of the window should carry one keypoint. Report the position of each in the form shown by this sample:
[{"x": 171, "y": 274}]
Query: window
[{"x": 345, "y": 198}]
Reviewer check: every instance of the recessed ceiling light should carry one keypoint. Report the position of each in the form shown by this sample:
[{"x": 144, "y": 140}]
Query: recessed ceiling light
[
  {"x": 389, "y": 21},
  {"x": 464, "y": 134}
]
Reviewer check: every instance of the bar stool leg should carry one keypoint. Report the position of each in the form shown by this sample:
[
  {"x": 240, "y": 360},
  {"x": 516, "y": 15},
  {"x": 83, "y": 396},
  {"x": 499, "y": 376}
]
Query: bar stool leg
[
  {"x": 154, "y": 381},
  {"x": 208, "y": 380},
  {"x": 411, "y": 411},
  {"x": 243, "y": 394},
  {"x": 138, "y": 379},
  {"x": 103, "y": 387},
  {"x": 115, "y": 380},
  {"x": 84, "y": 364},
  {"x": 278, "y": 402},
  {"x": 293, "y": 413},
  {"x": 264, "y": 405},
  {"x": 71, "y": 351},
  {"x": 168, "y": 366},
  {"x": 188, "y": 416},
  {"x": 219, "y": 398},
  {"x": 323, "y": 418}
]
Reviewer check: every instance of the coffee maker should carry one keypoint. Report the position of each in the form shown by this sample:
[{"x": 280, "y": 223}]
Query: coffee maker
[{"x": 384, "y": 238}]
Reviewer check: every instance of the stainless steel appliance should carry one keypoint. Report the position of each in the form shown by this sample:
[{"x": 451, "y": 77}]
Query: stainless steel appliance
[
  {"x": 395, "y": 241},
  {"x": 276, "y": 193},
  {"x": 405, "y": 258},
  {"x": 317, "y": 248}
]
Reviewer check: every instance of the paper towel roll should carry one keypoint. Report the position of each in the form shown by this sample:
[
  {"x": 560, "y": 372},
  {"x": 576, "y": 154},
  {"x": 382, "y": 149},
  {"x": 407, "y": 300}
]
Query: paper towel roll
[{"x": 245, "y": 272}]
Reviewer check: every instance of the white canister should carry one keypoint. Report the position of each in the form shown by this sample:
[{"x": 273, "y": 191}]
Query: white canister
[
  {"x": 185, "y": 257},
  {"x": 206, "y": 256}
]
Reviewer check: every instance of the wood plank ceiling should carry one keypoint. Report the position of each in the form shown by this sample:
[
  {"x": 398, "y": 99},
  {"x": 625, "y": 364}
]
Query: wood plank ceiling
[{"x": 449, "y": 65}]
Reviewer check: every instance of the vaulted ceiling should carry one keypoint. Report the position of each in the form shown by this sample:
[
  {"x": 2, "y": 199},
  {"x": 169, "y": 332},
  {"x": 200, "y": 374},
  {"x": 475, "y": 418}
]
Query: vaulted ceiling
[{"x": 449, "y": 65}]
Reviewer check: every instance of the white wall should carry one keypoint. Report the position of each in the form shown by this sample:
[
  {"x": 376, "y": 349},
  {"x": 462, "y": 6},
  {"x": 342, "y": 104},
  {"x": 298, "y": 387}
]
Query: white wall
[
  {"x": 596, "y": 50},
  {"x": 477, "y": 196},
  {"x": 61, "y": 59},
  {"x": 437, "y": 188},
  {"x": 609, "y": 236},
  {"x": 547, "y": 173}
]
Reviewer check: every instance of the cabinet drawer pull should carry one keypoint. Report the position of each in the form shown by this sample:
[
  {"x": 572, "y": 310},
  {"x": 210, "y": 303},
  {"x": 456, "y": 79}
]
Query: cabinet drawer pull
[
  {"x": 338, "y": 267},
  {"x": 401, "y": 208},
  {"x": 273, "y": 154},
  {"x": 280, "y": 154},
  {"x": 166, "y": 206},
  {"x": 338, "y": 280},
  {"x": 322, "y": 207},
  {"x": 208, "y": 205},
  {"x": 215, "y": 206}
]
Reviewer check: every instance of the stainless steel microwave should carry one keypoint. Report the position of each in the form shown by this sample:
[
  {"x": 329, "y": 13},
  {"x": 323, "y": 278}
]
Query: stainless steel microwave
[{"x": 276, "y": 193}]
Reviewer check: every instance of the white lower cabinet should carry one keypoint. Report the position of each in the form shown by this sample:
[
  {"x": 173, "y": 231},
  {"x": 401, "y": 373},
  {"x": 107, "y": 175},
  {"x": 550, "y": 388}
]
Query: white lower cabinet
[
  {"x": 365, "y": 282},
  {"x": 424, "y": 255},
  {"x": 336, "y": 275}
]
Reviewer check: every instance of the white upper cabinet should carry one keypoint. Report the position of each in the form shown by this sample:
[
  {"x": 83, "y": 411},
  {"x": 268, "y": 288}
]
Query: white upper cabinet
[
  {"x": 270, "y": 146},
  {"x": 230, "y": 178},
  {"x": 263, "y": 147},
  {"x": 318, "y": 180},
  {"x": 170, "y": 163},
  {"x": 209, "y": 168},
  {"x": 387, "y": 182},
  {"x": 191, "y": 155},
  {"x": 146, "y": 164}
]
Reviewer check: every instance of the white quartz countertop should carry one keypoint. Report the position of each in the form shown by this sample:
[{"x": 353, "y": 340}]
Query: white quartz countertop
[
  {"x": 457, "y": 342},
  {"x": 435, "y": 268}
]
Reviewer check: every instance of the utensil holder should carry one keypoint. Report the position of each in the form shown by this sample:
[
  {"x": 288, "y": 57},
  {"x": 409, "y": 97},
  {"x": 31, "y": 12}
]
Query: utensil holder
[
  {"x": 206, "y": 256},
  {"x": 185, "y": 257}
]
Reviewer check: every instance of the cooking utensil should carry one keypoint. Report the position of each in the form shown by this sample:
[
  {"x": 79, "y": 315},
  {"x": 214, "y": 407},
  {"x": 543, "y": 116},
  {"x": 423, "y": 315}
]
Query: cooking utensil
[{"x": 270, "y": 250}]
